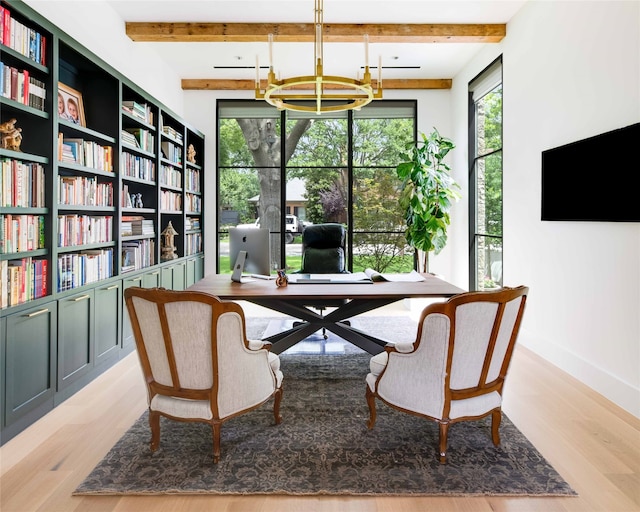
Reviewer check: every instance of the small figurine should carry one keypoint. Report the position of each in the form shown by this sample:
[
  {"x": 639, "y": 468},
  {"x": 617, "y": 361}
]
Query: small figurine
[
  {"x": 282, "y": 279},
  {"x": 191, "y": 154},
  {"x": 138, "y": 201},
  {"x": 168, "y": 248},
  {"x": 11, "y": 136}
]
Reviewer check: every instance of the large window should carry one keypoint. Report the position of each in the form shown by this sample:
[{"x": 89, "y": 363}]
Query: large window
[
  {"x": 284, "y": 170},
  {"x": 485, "y": 181}
]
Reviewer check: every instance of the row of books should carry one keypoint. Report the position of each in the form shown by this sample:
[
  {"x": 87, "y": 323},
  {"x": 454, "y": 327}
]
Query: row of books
[
  {"x": 140, "y": 110},
  {"x": 136, "y": 226},
  {"x": 19, "y": 37},
  {"x": 20, "y": 86},
  {"x": 84, "y": 229},
  {"x": 193, "y": 243},
  {"x": 20, "y": 233},
  {"x": 85, "y": 152},
  {"x": 137, "y": 254},
  {"x": 170, "y": 201},
  {"x": 171, "y": 152},
  {"x": 84, "y": 191},
  {"x": 192, "y": 180},
  {"x": 170, "y": 176},
  {"x": 193, "y": 203},
  {"x": 22, "y": 280},
  {"x": 139, "y": 137},
  {"x": 22, "y": 184},
  {"x": 192, "y": 223},
  {"x": 78, "y": 269},
  {"x": 137, "y": 167}
]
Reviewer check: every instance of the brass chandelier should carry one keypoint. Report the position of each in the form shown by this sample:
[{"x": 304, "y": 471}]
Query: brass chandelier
[{"x": 323, "y": 90}]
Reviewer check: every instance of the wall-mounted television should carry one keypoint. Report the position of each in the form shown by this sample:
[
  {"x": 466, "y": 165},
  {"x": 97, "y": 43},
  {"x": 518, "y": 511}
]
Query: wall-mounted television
[{"x": 595, "y": 179}]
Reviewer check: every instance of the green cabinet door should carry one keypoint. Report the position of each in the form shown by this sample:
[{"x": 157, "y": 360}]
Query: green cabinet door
[
  {"x": 29, "y": 349},
  {"x": 166, "y": 277},
  {"x": 75, "y": 337},
  {"x": 199, "y": 272},
  {"x": 190, "y": 272},
  {"x": 179, "y": 276},
  {"x": 151, "y": 279},
  {"x": 107, "y": 322},
  {"x": 127, "y": 332}
]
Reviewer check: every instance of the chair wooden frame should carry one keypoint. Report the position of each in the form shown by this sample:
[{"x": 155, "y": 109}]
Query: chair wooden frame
[
  {"x": 161, "y": 297},
  {"x": 483, "y": 386}
]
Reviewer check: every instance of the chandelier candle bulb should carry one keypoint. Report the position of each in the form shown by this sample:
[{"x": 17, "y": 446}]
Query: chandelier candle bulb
[
  {"x": 271, "y": 50},
  {"x": 366, "y": 49},
  {"x": 257, "y": 73}
]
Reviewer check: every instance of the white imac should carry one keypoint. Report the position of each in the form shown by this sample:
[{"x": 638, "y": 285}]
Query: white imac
[{"x": 255, "y": 243}]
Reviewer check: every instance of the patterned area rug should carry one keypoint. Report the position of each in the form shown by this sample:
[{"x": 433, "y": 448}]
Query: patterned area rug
[{"x": 323, "y": 446}]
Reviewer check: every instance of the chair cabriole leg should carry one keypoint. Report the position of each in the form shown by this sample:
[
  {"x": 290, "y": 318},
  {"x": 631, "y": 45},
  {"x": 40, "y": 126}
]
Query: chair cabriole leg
[
  {"x": 371, "y": 402},
  {"x": 496, "y": 418},
  {"x": 444, "y": 433},
  {"x": 154, "y": 424},
  {"x": 215, "y": 426},
  {"x": 276, "y": 406}
]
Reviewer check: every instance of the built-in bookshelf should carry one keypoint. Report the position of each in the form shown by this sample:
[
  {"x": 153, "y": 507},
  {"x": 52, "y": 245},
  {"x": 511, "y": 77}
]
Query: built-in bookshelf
[{"x": 97, "y": 170}]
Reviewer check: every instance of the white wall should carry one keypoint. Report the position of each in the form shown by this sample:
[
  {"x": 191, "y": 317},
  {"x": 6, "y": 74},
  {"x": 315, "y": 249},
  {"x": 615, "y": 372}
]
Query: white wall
[
  {"x": 571, "y": 70},
  {"x": 96, "y": 26}
]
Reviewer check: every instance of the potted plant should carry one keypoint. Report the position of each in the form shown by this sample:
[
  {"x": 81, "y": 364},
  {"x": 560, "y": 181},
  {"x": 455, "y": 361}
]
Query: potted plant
[{"x": 428, "y": 192}]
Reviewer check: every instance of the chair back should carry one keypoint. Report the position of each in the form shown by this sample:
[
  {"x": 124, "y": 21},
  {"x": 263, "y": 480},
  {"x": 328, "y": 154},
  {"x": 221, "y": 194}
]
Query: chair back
[
  {"x": 323, "y": 249},
  {"x": 192, "y": 345},
  {"x": 478, "y": 331}
]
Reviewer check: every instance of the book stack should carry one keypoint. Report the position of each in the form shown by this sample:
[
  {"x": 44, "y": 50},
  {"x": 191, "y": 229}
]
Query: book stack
[
  {"x": 134, "y": 225},
  {"x": 137, "y": 254},
  {"x": 129, "y": 139},
  {"x": 170, "y": 132},
  {"x": 21, "y": 233},
  {"x": 140, "y": 110},
  {"x": 21, "y": 184},
  {"x": 171, "y": 152},
  {"x": 144, "y": 138}
]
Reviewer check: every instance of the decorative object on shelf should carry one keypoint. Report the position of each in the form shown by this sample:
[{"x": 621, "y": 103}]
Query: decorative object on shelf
[
  {"x": 191, "y": 154},
  {"x": 168, "y": 247},
  {"x": 284, "y": 94},
  {"x": 138, "y": 203},
  {"x": 428, "y": 191},
  {"x": 11, "y": 135},
  {"x": 70, "y": 106},
  {"x": 282, "y": 279}
]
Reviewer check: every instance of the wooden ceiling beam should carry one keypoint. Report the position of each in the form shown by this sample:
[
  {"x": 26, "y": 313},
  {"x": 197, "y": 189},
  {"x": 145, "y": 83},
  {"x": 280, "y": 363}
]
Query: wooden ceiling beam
[
  {"x": 304, "y": 32},
  {"x": 206, "y": 84}
]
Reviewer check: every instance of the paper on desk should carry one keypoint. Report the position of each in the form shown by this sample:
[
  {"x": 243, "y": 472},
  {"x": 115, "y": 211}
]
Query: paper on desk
[{"x": 407, "y": 277}]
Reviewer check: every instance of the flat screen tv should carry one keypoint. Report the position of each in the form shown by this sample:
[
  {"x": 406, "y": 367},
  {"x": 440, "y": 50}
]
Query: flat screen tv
[{"x": 595, "y": 179}]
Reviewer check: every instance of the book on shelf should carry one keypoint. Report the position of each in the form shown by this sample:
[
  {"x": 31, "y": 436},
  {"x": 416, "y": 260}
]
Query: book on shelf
[{"x": 129, "y": 138}]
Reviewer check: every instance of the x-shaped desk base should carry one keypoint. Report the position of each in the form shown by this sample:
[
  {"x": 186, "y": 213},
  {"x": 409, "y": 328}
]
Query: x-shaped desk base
[{"x": 312, "y": 321}]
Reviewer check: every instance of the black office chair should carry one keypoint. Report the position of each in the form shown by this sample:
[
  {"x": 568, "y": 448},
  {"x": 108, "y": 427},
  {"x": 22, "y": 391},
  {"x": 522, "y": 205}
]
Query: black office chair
[{"x": 323, "y": 252}]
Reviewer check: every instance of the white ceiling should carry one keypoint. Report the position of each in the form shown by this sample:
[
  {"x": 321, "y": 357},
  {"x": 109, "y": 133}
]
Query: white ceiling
[{"x": 199, "y": 60}]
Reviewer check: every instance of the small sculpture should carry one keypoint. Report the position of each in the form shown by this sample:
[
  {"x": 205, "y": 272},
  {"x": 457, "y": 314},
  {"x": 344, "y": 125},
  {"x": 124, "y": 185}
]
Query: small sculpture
[
  {"x": 168, "y": 248},
  {"x": 191, "y": 154},
  {"x": 11, "y": 136},
  {"x": 138, "y": 201},
  {"x": 282, "y": 279}
]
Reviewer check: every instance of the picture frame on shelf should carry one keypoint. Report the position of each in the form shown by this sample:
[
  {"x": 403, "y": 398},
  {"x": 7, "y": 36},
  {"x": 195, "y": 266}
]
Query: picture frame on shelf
[{"x": 70, "y": 105}]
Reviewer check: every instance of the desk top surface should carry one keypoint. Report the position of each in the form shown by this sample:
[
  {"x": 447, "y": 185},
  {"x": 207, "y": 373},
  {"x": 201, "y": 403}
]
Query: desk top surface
[{"x": 221, "y": 286}]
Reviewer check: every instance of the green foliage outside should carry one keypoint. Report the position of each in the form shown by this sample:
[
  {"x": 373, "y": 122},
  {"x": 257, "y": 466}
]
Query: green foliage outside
[{"x": 318, "y": 152}]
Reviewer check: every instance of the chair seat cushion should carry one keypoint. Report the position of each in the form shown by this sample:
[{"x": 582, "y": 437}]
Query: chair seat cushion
[{"x": 181, "y": 408}]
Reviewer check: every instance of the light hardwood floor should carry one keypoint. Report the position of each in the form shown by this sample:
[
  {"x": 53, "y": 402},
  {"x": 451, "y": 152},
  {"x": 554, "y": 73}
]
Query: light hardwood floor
[{"x": 592, "y": 443}]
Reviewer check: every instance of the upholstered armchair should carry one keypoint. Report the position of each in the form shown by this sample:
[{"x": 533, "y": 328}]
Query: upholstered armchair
[
  {"x": 196, "y": 360},
  {"x": 455, "y": 369}
]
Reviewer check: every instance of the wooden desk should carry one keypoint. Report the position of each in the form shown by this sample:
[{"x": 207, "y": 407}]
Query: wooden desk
[{"x": 290, "y": 301}]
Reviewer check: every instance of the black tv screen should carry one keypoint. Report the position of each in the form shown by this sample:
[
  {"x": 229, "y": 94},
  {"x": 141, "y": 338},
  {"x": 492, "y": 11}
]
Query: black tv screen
[{"x": 595, "y": 179}]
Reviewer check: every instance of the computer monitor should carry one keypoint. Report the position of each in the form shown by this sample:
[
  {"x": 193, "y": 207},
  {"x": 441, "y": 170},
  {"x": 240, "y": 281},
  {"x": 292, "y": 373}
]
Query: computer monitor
[{"x": 255, "y": 242}]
